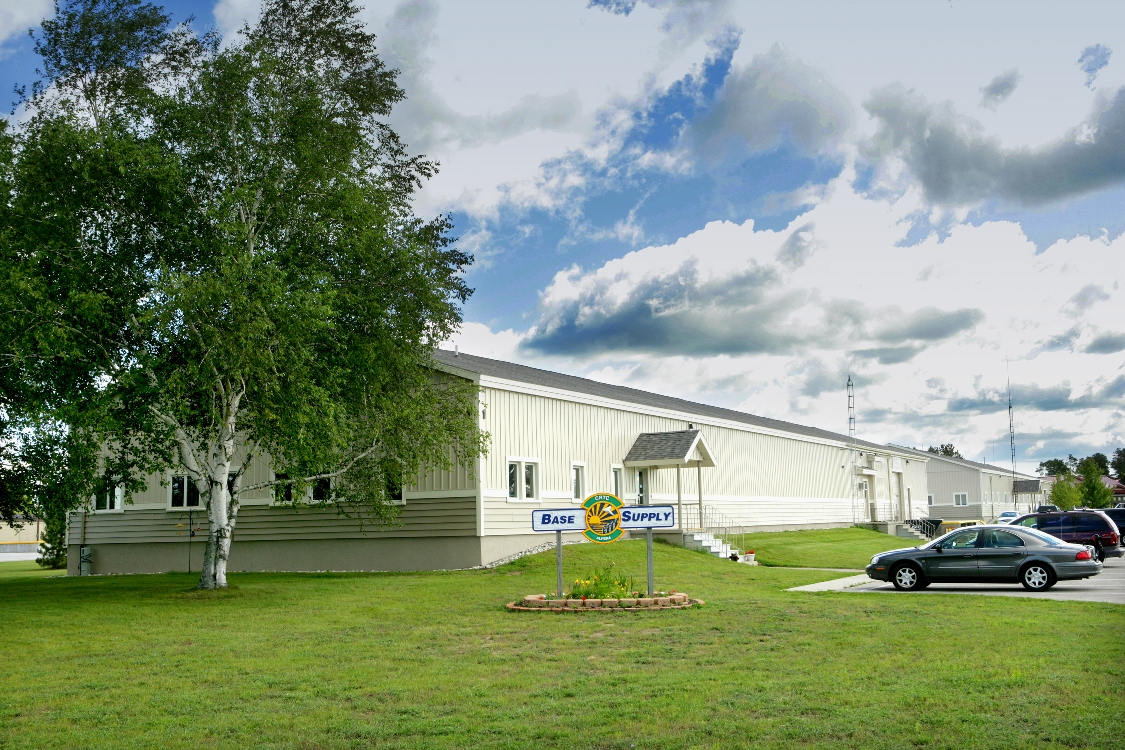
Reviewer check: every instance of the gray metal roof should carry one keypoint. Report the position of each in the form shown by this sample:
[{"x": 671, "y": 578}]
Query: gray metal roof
[
  {"x": 964, "y": 462},
  {"x": 662, "y": 446},
  {"x": 522, "y": 374}
]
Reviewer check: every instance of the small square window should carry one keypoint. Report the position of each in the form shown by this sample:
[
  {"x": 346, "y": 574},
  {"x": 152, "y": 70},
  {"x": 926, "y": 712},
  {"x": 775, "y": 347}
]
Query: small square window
[
  {"x": 322, "y": 490},
  {"x": 961, "y": 498},
  {"x": 109, "y": 497},
  {"x": 185, "y": 493}
]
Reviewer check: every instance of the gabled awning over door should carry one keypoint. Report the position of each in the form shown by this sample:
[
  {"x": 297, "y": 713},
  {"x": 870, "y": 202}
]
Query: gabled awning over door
[{"x": 681, "y": 448}]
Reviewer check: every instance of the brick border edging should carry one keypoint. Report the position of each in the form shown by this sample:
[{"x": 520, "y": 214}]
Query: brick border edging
[{"x": 514, "y": 607}]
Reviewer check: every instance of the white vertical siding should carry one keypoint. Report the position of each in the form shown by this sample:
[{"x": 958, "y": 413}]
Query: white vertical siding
[{"x": 759, "y": 479}]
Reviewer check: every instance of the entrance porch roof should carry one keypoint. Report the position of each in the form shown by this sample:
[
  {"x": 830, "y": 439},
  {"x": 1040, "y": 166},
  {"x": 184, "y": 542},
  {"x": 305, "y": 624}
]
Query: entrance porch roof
[{"x": 680, "y": 448}]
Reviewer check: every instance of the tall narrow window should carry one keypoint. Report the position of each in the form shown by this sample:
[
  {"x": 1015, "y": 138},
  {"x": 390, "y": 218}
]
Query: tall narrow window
[
  {"x": 185, "y": 493},
  {"x": 529, "y": 481},
  {"x": 513, "y": 480},
  {"x": 109, "y": 497},
  {"x": 394, "y": 491},
  {"x": 577, "y": 482},
  {"x": 617, "y": 488},
  {"x": 642, "y": 487},
  {"x": 929, "y": 499}
]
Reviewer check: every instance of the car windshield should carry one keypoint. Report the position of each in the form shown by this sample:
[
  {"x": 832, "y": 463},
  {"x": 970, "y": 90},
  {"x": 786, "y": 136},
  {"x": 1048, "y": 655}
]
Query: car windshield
[{"x": 1053, "y": 541}]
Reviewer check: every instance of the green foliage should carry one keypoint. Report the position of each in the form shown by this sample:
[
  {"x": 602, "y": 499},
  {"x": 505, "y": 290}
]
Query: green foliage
[
  {"x": 1065, "y": 494},
  {"x": 1101, "y": 461},
  {"x": 1093, "y": 492},
  {"x": 603, "y": 583},
  {"x": 1053, "y": 467},
  {"x": 945, "y": 449},
  {"x": 212, "y": 252},
  {"x": 1118, "y": 463}
]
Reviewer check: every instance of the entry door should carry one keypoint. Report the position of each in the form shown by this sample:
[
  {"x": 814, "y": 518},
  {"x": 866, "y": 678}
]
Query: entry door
[
  {"x": 957, "y": 560},
  {"x": 1000, "y": 555}
]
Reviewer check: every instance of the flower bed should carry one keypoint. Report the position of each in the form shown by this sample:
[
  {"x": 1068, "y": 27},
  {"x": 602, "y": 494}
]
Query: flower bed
[{"x": 540, "y": 603}]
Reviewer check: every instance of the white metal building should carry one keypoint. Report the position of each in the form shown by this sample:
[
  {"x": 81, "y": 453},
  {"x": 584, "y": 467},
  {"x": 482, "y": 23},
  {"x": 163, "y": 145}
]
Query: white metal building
[{"x": 555, "y": 439}]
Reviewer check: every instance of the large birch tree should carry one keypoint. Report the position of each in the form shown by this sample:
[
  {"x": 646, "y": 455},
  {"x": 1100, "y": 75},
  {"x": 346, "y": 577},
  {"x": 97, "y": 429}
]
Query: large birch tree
[{"x": 279, "y": 298}]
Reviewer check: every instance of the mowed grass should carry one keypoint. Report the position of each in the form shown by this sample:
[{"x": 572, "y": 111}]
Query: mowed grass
[
  {"x": 433, "y": 660},
  {"x": 822, "y": 548}
]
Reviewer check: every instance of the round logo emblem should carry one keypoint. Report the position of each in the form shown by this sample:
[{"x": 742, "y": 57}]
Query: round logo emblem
[{"x": 603, "y": 518}]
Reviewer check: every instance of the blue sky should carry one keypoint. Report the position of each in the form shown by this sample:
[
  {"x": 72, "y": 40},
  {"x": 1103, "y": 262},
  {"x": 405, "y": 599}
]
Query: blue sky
[{"x": 744, "y": 204}]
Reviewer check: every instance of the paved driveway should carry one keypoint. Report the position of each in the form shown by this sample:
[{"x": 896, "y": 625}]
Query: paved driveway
[{"x": 1109, "y": 586}]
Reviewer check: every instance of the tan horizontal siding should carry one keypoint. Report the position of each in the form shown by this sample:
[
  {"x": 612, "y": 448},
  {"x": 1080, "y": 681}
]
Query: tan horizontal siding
[{"x": 422, "y": 517}]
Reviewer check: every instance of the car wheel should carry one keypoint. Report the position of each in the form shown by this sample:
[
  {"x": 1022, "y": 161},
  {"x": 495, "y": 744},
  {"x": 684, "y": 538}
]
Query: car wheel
[
  {"x": 1037, "y": 577},
  {"x": 907, "y": 577}
]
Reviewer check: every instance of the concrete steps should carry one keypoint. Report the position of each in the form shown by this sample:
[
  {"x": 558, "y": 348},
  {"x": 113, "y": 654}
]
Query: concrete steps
[{"x": 707, "y": 542}]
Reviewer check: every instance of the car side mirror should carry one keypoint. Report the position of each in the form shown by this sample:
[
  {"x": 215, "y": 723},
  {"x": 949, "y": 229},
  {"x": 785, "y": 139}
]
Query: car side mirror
[{"x": 938, "y": 547}]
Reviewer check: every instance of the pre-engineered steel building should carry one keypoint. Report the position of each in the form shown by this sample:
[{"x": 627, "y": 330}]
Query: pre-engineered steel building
[{"x": 555, "y": 439}]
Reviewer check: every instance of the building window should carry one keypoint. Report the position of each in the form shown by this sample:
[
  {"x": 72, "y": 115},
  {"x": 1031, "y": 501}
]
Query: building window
[
  {"x": 322, "y": 490},
  {"x": 1007, "y": 497},
  {"x": 864, "y": 489},
  {"x": 929, "y": 499},
  {"x": 961, "y": 498},
  {"x": 110, "y": 497},
  {"x": 530, "y": 482},
  {"x": 578, "y": 481},
  {"x": 642, "y": 487},
  {"x": 986, "y": 497},
  {"x": 909, "y": 497},
  {"x": 185, "y": 493},
  {"x": 523, "y": 480},
  {"x": 617, "y": 484},
  {"x": 394, "y": 491}
]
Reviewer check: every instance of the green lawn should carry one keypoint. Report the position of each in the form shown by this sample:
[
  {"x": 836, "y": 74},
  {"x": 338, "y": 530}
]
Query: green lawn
[
  {"x": 433, "y": 660},
  {"x": 823, "y": 548}
]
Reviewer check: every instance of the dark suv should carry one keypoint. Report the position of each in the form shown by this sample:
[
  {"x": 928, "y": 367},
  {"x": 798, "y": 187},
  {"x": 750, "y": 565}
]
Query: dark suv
[{"x": 1079, "y": 527}]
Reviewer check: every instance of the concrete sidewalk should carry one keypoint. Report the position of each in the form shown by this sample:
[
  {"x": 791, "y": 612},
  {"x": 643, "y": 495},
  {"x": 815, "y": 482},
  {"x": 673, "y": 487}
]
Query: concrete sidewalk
[{"x": 836, "y": 584}]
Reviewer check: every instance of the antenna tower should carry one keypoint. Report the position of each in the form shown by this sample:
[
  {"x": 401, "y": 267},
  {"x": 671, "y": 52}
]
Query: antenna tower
[
  {"x": 1011, "y": 427},
  {"x": 856, "y": 516}
]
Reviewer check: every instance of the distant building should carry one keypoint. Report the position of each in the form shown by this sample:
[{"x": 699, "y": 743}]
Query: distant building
[{"x": 960, "y": 489}]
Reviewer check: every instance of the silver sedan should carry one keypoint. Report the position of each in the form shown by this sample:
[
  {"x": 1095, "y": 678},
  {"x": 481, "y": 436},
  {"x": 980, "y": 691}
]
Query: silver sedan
[{"x": 987, "y": 554}]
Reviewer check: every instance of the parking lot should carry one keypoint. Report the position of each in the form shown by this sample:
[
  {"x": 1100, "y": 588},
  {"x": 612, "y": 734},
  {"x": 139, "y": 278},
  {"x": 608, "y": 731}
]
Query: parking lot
[{"x": 1109, "y": 587}]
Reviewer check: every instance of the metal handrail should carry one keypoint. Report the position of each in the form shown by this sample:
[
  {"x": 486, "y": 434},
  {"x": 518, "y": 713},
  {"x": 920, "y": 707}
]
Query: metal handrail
[
  {"x": 927, "y": 526},
  {"x": 715, "y": 523}
]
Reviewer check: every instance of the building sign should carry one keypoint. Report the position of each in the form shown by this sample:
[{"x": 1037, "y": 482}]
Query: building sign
[
  {"x": 648, "y": 517},
  {"x": 568, "y": 519},
  {"x": 603, "y": 518}
]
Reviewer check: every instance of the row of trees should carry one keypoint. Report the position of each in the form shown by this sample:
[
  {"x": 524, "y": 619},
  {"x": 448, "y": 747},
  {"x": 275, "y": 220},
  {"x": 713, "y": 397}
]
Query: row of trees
[
  {"x": 1080, "y": 484},
  {"x": 208, "y": 254},
  {"x": 1071, "y": 465}
]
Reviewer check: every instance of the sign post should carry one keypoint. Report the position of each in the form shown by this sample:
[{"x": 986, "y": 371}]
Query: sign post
[
  {"x": 558, "y": 562},
  {"x": 603, "y": 519}
]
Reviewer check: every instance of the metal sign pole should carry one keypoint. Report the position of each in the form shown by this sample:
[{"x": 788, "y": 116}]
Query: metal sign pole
[
  {"x": 650, "y": 587},
  {"x": 558, "y": 562}
]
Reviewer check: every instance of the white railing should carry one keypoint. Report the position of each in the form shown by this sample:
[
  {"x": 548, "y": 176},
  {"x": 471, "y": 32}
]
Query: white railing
[{"x": 715, "y": 523}]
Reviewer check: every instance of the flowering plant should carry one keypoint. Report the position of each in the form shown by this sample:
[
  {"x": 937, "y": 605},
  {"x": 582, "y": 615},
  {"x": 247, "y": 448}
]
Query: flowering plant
[{"x": 601, "y": 584}]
